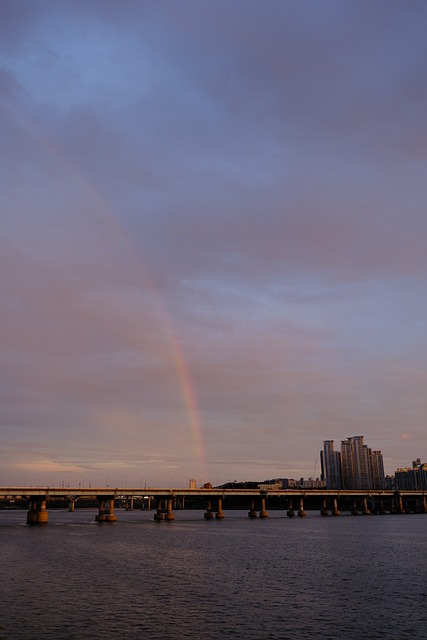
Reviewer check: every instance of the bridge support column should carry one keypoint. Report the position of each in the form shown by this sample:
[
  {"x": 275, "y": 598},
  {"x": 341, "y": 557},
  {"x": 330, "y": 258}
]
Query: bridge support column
[
  {"x": 42, "y": 516},
  {"x": 301, "y": 512},
  {"x": 110, "y": 517},
  {"x": 354, "y": 511},
  {"x": 37, "y": 513},
  {"x": 131, "y": 503},
  {"x": 365, "y": 510},
  {"x": 324, "y": 509},
  {"x": 290, "y": 512},
  {"x": 252, "y": 513},
  {"x": 220, "y": 513},
  {"x": 399, "y": 503},
  {"x": 71, "y": 505},
  {"x": 335, "y": 510},
  {"x": 169, "y": 513},
  {"x": 32, "y": 512},
  {"x": 263, "y": 513},
  {"x": 158, "y": 516},
  {"x": 424, "y": 506},
  {"x": 209, "y": 515},
  {"x": 100, "y": 517}
]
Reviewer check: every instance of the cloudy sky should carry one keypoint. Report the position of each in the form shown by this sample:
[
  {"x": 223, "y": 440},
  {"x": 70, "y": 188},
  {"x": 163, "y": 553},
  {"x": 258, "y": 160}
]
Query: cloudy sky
[{"x": 213, "y": 237}]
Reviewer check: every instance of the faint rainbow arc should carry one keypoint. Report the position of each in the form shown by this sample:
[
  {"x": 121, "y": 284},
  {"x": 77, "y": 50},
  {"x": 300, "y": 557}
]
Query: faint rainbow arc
[{"x": 181, "y": 367}]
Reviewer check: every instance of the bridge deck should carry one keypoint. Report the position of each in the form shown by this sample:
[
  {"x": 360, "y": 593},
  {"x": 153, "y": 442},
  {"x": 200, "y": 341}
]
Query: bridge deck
[{"x": 162, "y": 492}]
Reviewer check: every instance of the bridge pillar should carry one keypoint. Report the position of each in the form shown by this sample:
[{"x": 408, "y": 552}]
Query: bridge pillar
[
  {"x": 42, "y": 516},
  {"x": 32, "y": 512},
  {"x": 169, "y": 513},
  {"x": 37, "y": 513},
  {"x": 158, "y": 516},
  {"x": 381, "y": 510},
  {"x": 365, "y": 510},
  {"x": 263, "y": 513},
  {"x": 131, "y": 501},
  {"x": 71, "y": 505},
  {"x": 324, "y": 509},
  {"x": 290, "y": 512},
  {"x": 399, "y": 503},
  {"x": 220, "y": 513},
  {"x": 301, "y": 512},
  {"x": 100, "y": 517},
  {"x": 110, "y": 517},
  {"x": 424, "y": 507},
  {"x": 209, "y": 513},
  {"x": 252, "y": 513},
  {"x": 335, "y": 510},
  {"x": 354, "y": 511}
]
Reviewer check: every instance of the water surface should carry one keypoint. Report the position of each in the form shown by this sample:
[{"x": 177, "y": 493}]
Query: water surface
[{"x": 280, "y": 578}]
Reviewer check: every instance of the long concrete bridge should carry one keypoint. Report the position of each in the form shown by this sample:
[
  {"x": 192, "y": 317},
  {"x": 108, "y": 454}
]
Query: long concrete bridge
[{"x": 169, "y": 498}]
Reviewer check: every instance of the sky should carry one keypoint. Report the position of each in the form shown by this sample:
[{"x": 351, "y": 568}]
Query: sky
[{"x": 213, "y": 237}]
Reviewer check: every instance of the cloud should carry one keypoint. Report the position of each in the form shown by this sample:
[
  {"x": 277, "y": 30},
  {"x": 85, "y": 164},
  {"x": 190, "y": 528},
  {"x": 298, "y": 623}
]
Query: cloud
[{"x": 215, "y": 198}]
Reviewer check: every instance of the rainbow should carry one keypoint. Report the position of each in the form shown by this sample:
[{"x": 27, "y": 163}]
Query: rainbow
[{"x": 186, "y": 386}]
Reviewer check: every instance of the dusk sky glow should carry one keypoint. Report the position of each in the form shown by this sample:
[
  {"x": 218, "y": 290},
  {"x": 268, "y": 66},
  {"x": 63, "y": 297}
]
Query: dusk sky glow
[{"x": 213, "y": 237}]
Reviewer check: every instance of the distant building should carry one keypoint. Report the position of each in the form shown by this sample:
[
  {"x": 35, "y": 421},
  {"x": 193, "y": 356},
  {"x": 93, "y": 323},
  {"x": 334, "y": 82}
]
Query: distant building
[
  {"x": 356, "y": 466},
  {"x": 192, "y": 483},
  {"x": 312, "y": 483},
  {"x": 413, "y": 478},
  {"x": 330, "y": 461},
  {"x": 288, "y": 483},
  {"x": 390, "y": 483},
  {"x": 270, "y": 486},
  {"x": 377, "y": 469}
]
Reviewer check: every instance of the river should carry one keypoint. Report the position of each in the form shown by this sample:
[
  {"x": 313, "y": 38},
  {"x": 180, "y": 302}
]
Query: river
[{"x": 354, "y": 577}]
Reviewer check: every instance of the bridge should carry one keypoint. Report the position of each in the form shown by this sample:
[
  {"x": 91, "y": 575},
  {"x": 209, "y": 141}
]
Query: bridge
[{"x": 362, "y": 501}]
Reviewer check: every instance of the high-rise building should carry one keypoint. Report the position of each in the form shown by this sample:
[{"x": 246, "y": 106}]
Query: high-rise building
[
  {"x": 356, "y": 466},
  {"x": 377, "y": 466},
  {"x": 330, "y": 461},
  {"x": 412, "y": 479}
]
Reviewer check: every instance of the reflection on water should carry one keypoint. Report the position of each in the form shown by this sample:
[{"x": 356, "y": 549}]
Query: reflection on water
[{"x": 281, "y": 578}]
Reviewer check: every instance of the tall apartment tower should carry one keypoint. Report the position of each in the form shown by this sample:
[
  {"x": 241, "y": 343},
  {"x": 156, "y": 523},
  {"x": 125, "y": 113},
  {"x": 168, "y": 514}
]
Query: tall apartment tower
[
  {"x": 362, "y": 468},
  {"x": 377, "y": 466},
  {"x": 331, "y": 465},
  {"x": 355, "y": 462},
  {"x": 356, "y": 466}
]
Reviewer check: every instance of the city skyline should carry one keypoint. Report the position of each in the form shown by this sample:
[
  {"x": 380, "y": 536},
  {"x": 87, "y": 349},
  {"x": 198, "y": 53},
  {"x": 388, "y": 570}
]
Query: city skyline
[
  {"x": 213, "y": 237},
  {"x": 355, "y": 466}
]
